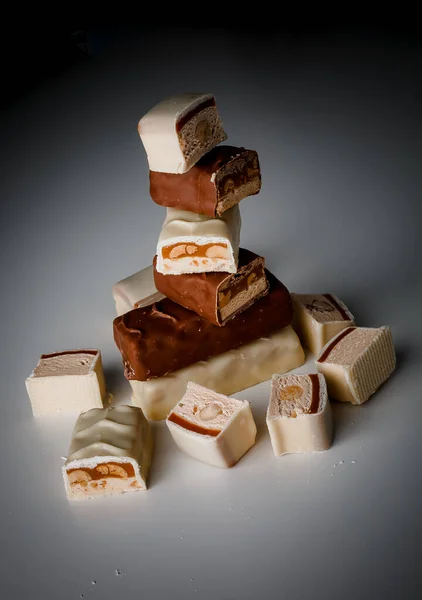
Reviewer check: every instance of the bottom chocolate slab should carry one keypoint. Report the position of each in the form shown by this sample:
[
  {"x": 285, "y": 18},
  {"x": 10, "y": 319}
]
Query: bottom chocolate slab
[{"x": 227, "y": 373}]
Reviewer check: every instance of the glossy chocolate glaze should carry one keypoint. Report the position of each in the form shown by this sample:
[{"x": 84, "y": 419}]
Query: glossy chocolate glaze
[
  {"x": 199, "y": 291},
  {"x": 164, "y": 337},
  {"x": 196, "y": 189}
]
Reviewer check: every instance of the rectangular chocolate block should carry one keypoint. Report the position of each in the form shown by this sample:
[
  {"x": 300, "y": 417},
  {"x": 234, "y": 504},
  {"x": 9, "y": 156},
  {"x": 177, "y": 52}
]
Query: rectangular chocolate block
[
  {"x": 110, "y": 453},
  {"x": 67, "y": 382},
  {"x": 226, "y": 373},
  {"x": 217, "y": 297},
  {"x": 299, "y": 417},
  {"x": 194, "y": 243},
  {"x": 164, "y": 337},
  {"x": 179, "y": 130},
  {"x": 356, "y": 362},
  {"x": 212, "y": 427},
  {"x": 218, "y": 181}
]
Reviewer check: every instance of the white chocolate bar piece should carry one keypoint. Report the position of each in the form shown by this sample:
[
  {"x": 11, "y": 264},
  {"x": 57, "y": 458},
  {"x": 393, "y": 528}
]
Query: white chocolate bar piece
[
  {"x": 67, "y": 382},
  {"x": 136, "y": 291},
  {"x": 211, "y": 427},
  {"x": 318, "y": 318},
  {"x": 227, "y": 373},
  {"x": 110, "y": 453},
  {"x": 178, "y": 131},
  {"x": 299, "y": 417},
  {"x": 194, "y": 243},
  {"x": 356, "y": 362}
]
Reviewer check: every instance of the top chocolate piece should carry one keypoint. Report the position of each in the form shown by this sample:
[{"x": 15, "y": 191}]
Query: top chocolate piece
[
  {"x": 178, "y": 131},
  {"x": 218, "y": 181},
  {"x": 164, "y": 337}
]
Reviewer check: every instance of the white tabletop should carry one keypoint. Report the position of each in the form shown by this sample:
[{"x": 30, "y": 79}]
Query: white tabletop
[{"x": 336, "y": 123}]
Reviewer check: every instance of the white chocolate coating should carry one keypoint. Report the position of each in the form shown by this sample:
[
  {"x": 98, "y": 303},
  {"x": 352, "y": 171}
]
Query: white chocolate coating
[
  {"x": 359, "y": 363},
  {"x": 67, "y": 382},
  {"x": 318, "y": 318},
  {"x": 136, "y": 291},
  {"x": 185, "y": 227},
  {"x": 291, "y": 424},
  {"x": 170, "y": 151},
  {"x": 119, "y": 435},
  {"x": 227, "y": 373},
  {"x": 237, "y": 429}
]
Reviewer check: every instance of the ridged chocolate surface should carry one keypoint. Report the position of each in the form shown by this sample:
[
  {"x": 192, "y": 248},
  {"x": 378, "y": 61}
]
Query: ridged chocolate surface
[
  {"x": 199, "y": 291},
  {"x": 164, "y": 337},
  {"x": 196, "y": 189}
]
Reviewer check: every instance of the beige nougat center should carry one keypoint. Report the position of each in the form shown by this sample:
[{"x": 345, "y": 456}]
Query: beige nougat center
[
  {"x": 291, "y": 396},
  {"x": 351, "y": 347},
  {"x": 64, "y": 364},
  {"x": 206, "y": 410}
]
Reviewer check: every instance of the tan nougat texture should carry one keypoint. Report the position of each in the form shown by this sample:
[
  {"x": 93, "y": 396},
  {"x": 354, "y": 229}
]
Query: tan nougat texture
[
  {"x": 67, "y": 382},
  {"x": 299, "y": 417},
  {"x": 212, "y": 427},
  {"x": 110, "y": 453}
]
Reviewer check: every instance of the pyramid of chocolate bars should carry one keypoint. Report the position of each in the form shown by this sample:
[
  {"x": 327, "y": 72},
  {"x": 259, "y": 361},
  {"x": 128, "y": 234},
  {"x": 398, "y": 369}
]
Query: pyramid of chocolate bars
[{"x": 205, "y": 310}]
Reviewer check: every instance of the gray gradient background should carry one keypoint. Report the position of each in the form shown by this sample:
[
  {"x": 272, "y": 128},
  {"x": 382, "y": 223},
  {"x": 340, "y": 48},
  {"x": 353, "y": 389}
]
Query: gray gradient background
[{"x": 336, "y": 120}]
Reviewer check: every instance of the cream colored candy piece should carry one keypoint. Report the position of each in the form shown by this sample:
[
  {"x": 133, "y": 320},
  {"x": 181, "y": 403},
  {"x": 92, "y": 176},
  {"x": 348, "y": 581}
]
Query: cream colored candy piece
[
  {"x": 299, "y": 417},
  {"x": 183, "y": 230},
  {"x": 110, "y": 453},
  {"x": 356, "y": 362},
  {"x": 227, "y": 373},
  {"x": 174, "y": 149},
  {"x": 318, "y": 318},
  {"x": 67, "y": 382},
  {"x": 136, "y": 291},
  {"x": 211, "y": 427}
]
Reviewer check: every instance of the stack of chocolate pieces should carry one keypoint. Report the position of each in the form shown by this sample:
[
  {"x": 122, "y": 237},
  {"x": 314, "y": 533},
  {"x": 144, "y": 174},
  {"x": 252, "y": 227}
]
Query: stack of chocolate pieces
[{"x": 206, "y": 310}]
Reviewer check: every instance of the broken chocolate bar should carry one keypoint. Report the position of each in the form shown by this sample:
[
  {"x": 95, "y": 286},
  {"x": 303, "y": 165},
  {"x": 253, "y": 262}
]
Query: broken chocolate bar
[
  {"x": 211, "y": 427},
  {"x": 299, "y": 417},
  {"x": 218, "y": 181},
  {"x": 217, "y": 297},
  {"x": 356, "y": 362},
  {"x": 178, "y": 131},
  {"x": 164, "y": 337},
  {"x": 110, "y": 453},
  {"x": 194, "y": 243}
]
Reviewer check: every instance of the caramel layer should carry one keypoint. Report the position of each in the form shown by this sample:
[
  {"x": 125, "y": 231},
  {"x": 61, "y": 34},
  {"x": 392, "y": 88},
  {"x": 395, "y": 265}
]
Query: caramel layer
[
  {"x": 64, "y": 353},
  {"x": 340, "y": 309},
  {"x": 315, "y": 393},
  {"x": 334, "y": 343},
  {"x": 192, "y": 426},
  {"x": 113, "y": 469},
  {"x": 190, "y": 250},
  {"x": 192, "y": 113}
]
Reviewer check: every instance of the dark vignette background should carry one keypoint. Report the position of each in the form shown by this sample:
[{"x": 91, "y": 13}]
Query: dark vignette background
[{"x": 333, "y": 106}]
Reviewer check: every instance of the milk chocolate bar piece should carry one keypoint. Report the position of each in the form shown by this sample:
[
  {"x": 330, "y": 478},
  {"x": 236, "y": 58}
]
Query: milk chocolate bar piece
[
  {"x": 67, "y": 382},
  {"x": 356, "y": 362},
  {"x": 226, "y": 373},
  {"x": 211, "y": 427},
  {"x": 110, "y": 453},
  {"x": 178, "y": 131},
  {"x": 135, "y": 291},
  {"x": 218, "y": 181},
  {"x": 218, "y": 296},
  {"x": 319, "y": 317},
  {"x": 299, "y": 417},
  {"x": 194, "y": 243},
  {"x": 164, "y": 337}
]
